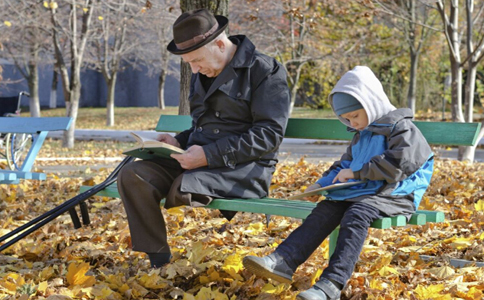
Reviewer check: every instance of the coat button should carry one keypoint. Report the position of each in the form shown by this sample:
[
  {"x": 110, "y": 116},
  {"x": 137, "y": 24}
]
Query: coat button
[
  {"x": 239, "y": 94},
  {"x": 199, "y": 129},
  {"x": 216, "y": 131},
  {"x": 217, "y": 114}
]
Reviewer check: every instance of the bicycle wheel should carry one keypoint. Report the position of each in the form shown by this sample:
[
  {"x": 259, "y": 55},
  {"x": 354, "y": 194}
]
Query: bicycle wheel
[{"x": 17, "y": 148}]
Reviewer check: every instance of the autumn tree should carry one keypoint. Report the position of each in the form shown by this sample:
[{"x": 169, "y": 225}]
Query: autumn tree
[
  {"x": 414, "y": 19},
  {"x": 72, "y": 22},
  {"x": 217, "y": 7},
  {"x": 464, "y": 51}
]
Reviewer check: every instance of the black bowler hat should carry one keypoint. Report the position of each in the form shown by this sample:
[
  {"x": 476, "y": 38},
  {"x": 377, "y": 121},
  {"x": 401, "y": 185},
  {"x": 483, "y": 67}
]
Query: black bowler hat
[{"x": 195, "y": 28}]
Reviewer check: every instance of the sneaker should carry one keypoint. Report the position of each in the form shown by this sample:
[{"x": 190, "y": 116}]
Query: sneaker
[
  {"x": 322, "y": 290},
  {"x": 271, "y": 266}
]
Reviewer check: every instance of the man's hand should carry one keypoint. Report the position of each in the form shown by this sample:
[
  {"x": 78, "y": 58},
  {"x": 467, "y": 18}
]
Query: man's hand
[
  {"x": 193, "y": 158},
  {"x": 344, "y": 175},
  {"x": 166, "y": 138}
]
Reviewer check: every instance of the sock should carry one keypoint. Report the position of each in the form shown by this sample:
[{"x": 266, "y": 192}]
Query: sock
[{"x": 158, "y": 260}]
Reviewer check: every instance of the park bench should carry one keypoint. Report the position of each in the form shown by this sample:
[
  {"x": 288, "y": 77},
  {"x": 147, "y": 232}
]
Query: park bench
[
  {"x": 437, "y": 133},
  {"x": 37, "y": 129}
]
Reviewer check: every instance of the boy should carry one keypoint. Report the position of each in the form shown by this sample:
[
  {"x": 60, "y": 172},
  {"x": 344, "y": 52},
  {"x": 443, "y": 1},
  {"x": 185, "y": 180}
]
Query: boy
[{"x": 389, "y": 153}]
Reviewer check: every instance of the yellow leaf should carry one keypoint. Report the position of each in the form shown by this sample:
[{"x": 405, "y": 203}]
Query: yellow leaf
[
  {"x": 232, "y": 265},
  {"x": 255, "y": 228},
  {"x": 85, "y": 9},
  {"x": 152, "y": 281},
  {"x": 431, "y": 292},
  {"x": 316, "y": 276},
  {"x": 46, "y": 4},
  {"x": 276, "y": 290},
  {"x": 187, "y": 296},
  {"x": 76, "y": 275},
  {"x": 100, "y": 18},
  {"x": 7, "y": 23},
  {"x": 442, "y": 272},
  {"x": 387, "y": 270},
  {"x": 479, "y": 205},
  {"x": 42, "y": 287},
  {"x": 461, "y": 243},
  {"x": 11, "y": 282}
]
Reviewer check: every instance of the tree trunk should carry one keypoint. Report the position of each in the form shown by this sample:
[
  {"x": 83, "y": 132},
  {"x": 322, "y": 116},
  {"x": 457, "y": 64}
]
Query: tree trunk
[
  {"x": 161, "y": 90},
  {"x": 185, "y": 75},
  {"x": 456, "y": 90},
  {"x": 110, "y": 101},
  {"x": 72, "y": 108},
  {"x": 53, "y": 90},
  {"x": 33, "y": 82},
  {"x": 218, "y": 7},
  {"x": 412, "y": 87}
]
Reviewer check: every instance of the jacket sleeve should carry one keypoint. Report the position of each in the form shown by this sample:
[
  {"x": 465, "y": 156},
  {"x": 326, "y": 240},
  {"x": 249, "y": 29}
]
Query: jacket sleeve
[
  {"x": 269, "y": 107},
  {"x": 407, "y": 152},
  {"x": 343, "y": 163}
]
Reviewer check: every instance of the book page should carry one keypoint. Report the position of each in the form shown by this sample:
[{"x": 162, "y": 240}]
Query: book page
[
  {"x": 324, "y": 190},
  {"x": 149, "y": 148}
]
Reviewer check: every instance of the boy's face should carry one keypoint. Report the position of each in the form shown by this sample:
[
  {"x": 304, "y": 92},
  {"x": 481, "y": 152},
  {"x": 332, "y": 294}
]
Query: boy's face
[{"x": 358, "y": 119}]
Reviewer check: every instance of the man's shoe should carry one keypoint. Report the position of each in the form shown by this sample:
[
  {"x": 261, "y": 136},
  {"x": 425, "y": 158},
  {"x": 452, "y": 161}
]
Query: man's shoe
[
  {"x": 322, "y": 290},
  {"x": 271, "y": 266}
]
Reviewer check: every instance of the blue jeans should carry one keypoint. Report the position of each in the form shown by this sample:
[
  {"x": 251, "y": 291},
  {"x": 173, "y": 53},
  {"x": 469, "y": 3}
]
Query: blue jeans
[{"x": 354, "y": 219}]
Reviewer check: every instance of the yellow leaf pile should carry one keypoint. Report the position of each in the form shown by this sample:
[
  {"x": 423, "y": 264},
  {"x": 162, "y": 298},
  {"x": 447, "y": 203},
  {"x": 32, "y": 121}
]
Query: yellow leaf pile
[{"x": 96, "y": 261}]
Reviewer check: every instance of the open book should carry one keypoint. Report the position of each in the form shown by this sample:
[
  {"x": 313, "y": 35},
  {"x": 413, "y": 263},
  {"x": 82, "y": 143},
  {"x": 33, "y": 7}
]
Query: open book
[
  {"x": 326, "y": 189},
  {"x": 149, "y": 148}
]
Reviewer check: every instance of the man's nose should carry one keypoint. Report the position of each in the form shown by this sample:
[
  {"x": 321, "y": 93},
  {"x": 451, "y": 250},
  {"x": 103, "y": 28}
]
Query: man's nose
[{"x": 194, "y": 67}]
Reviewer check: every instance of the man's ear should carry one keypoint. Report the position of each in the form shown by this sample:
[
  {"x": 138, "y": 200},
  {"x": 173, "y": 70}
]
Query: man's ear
[{"x": 221, "y": 45}]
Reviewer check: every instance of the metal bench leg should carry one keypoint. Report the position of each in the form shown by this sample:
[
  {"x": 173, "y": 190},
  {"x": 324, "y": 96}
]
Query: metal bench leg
[
  {"x": 75, "y": 217},
  {"x": 84, "y": 213}
]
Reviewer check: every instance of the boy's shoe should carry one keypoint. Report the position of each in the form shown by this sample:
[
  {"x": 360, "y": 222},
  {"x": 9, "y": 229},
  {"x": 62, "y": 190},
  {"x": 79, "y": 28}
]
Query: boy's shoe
[
  {"x": 271, "y": 266},
  {"x": 322, "y": 290}
]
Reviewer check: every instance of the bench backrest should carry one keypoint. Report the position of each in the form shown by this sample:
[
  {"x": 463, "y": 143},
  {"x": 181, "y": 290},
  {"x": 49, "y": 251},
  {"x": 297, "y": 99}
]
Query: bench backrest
[{"x": 438, "y": 133}]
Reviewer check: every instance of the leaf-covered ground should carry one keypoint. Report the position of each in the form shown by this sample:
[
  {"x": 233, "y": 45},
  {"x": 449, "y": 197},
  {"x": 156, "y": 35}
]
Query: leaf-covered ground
[{"x": 95, "y": 261}]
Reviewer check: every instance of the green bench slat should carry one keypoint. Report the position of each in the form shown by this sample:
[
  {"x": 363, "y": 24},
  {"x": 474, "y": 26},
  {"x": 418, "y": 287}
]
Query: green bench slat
[
  {"x": 438, "y": 133},
  {"x": 290, "y": 208}
]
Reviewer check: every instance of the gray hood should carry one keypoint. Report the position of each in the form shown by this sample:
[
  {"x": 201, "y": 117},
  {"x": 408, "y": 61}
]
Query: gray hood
[{"x": 362, "y": 84}]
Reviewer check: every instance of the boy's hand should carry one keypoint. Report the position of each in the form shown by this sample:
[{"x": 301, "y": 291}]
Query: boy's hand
[
  {"x": 344, "y": 175},
  {"x": 312, "y": 187},
  {"x": 193, "y": 158}
]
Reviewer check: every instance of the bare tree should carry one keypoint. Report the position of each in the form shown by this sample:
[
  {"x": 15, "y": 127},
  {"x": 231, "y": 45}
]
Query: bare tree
[
  {"x": 71, "y": 22},
  {"x": 116, "y": 42},
  {"x": 160, "y": 15},
  {"x": 26, "y": 43},
  {"x": 217, "y": 7}
]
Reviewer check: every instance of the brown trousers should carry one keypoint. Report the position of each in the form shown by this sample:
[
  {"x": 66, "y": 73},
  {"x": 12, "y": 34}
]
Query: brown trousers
[{"x": 142, "y": 185}]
